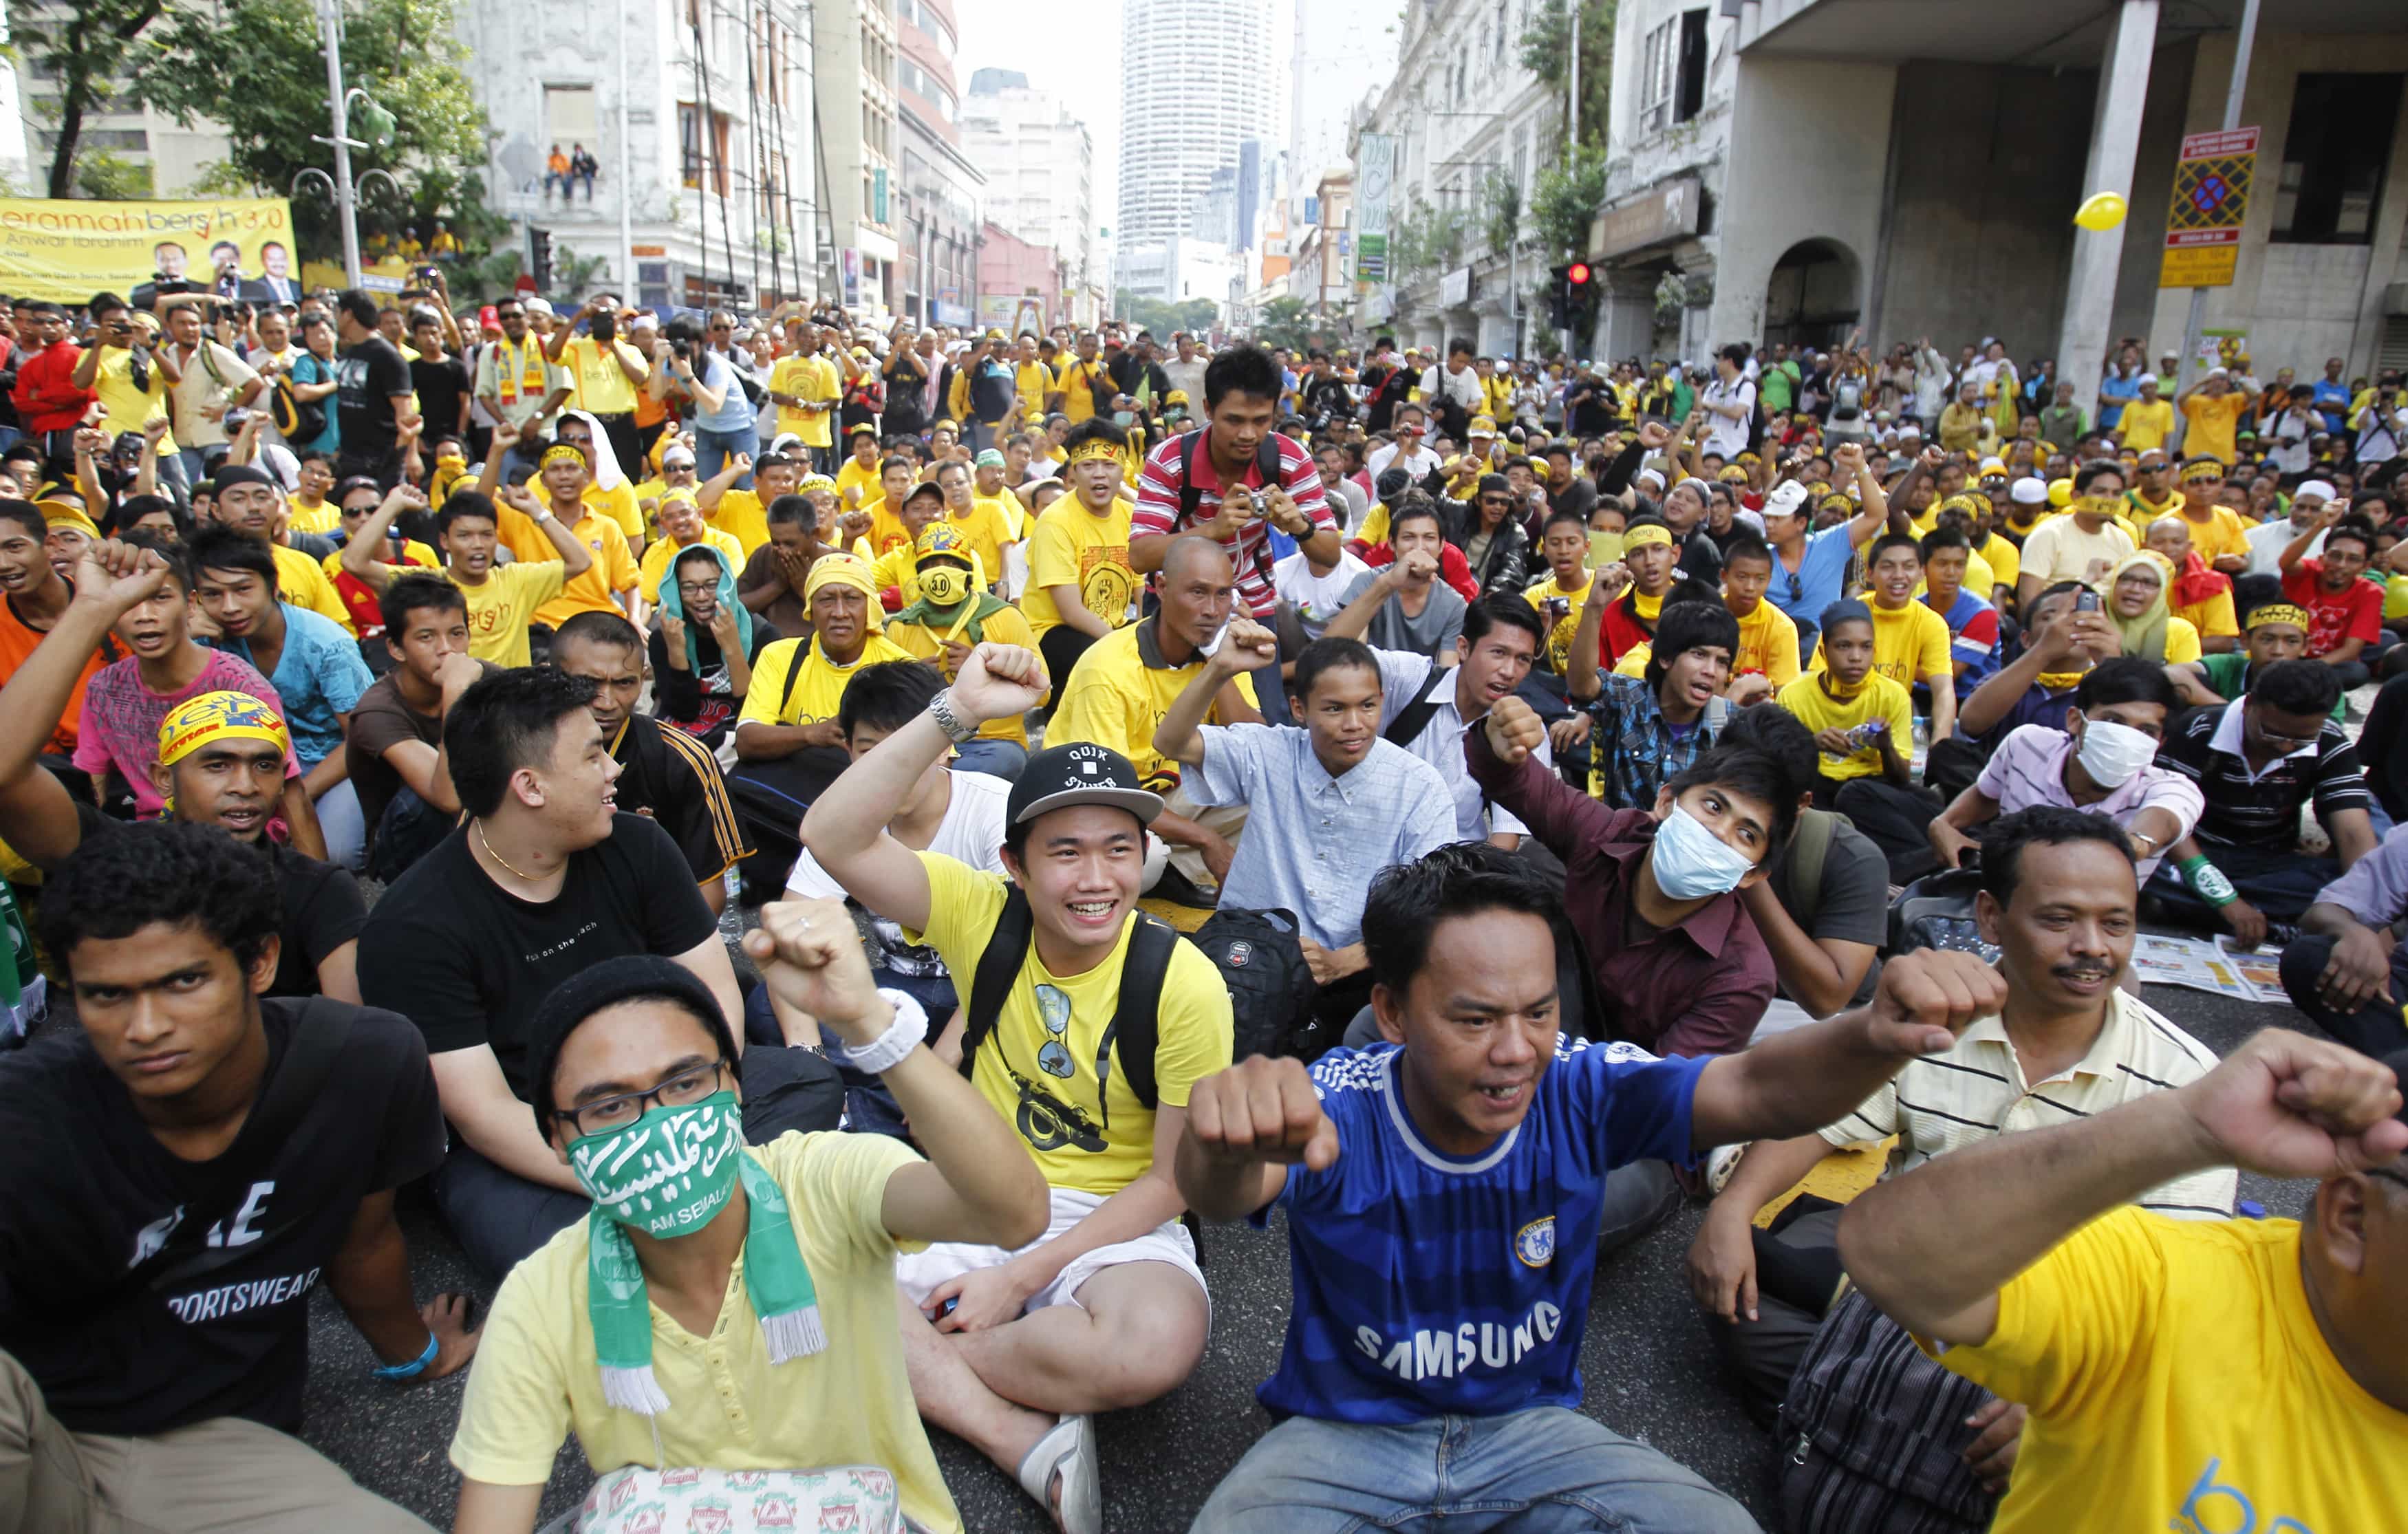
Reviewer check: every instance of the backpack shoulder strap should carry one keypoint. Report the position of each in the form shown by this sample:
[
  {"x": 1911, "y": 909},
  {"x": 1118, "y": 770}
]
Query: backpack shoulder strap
[
  {"x": 1189, "y": 496},
  {"x": 1414, "y": 717},
  {"x": 998, "y": 967},
  {"x": 794, "y": 672},
  {"x": 1801, "y": 881},
  {"x": 1136, "y": 1027}
]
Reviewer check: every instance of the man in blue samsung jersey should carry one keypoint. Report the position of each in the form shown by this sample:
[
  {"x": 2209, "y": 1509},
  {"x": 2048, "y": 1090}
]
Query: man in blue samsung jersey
[{"x": 1443, "y": 1203}]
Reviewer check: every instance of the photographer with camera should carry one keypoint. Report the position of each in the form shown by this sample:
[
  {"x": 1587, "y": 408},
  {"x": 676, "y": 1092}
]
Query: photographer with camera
[
  {"x": 132, "y": 378},
  {"x": 722, "y": 415},
  {"x": 604, "y": 372},
  {"x": 211, "y": 381}
]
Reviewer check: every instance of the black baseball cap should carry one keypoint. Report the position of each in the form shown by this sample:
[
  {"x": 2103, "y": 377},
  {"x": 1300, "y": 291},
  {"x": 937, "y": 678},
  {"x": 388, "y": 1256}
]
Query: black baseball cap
[{"x": 1081, "y": 772}]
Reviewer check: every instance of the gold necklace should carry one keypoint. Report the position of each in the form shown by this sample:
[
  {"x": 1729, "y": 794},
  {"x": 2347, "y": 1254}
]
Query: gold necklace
[{"x": 521, "y": 878}]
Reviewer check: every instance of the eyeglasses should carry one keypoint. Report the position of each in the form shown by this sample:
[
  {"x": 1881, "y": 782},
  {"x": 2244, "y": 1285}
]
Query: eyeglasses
[
  {"x": 682, "y": 1090},
  {"x": 1053, "y": 1011},
  {"x": 696, "y": 588}
]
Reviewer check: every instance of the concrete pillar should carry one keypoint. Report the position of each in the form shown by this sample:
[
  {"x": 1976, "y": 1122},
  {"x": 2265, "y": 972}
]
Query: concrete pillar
[{"x": 2114, "y": 141}]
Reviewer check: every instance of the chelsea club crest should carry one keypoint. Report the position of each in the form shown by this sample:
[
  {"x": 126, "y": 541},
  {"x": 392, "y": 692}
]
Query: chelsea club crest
[{"x": 1535, "y": 1242}]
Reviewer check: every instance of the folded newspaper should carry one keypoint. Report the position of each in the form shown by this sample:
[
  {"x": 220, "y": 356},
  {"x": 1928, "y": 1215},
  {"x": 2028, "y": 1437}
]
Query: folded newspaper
[{"x": 2219, "y": 967}]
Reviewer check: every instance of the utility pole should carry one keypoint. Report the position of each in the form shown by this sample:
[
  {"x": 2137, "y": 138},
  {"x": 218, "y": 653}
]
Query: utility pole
[
  {"x": 2194, "y": 331},
  {"x": 330, "y": 28},
  {"x": 626, "y": 199},
  {"x": 1571, "y": 99}
]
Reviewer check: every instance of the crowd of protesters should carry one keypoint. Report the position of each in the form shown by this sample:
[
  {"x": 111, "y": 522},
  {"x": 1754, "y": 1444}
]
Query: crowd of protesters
[{"x": 1456, "y": 808}]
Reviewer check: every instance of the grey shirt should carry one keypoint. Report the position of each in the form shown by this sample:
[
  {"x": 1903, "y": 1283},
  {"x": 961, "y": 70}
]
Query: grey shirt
[{"x": 1432, "y": 634}]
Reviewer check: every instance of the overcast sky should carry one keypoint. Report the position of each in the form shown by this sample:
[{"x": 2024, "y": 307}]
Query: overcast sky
[{"x": 1082, "y": 68}]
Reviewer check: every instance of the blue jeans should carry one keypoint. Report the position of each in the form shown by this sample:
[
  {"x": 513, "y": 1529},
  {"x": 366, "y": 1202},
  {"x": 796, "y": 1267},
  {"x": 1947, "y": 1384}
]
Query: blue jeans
[
  {"x": 712, "y": 449},
  {"x": 1537, "y": 1472},
  {"x": 342, "y": 824},
  {"x": 1002, "y": 759}
]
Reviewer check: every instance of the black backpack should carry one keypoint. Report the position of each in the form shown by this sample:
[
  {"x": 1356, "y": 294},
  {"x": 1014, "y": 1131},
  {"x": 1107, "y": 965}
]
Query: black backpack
[
  {"x": 299, "y": 422},
  {"x": 1258, "y": 953}
]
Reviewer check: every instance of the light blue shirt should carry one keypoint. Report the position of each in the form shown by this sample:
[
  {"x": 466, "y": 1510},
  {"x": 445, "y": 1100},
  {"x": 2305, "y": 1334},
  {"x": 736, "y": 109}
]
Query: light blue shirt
[
  {"x": 1313, "y": 842},
  {"x": 735, "y": 412},
  {"x": 318, "y": 677},
  {"x": 1822, "y": 570}
]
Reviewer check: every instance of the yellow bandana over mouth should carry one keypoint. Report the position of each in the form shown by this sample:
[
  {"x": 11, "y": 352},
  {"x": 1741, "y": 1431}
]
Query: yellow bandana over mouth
[{"x": 218, "y": 716}]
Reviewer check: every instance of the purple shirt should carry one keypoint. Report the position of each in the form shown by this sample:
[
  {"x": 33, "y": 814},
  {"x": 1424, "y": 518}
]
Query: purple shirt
[
  {"x": 1700, "y": 987},
  {"x": 2375, "y": 889},
  {"x": 121, "y": 719},
  {"x": 2028, "y": 768}
]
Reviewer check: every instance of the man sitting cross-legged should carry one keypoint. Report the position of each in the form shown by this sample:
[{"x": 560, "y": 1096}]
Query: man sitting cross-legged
[
  {"x": 1108, "y": 1309},
  {"x": 1442, "y": 1192},
  {"x": 193, "y": 1161},
  {"x": 657, "y": 1378},
  {"x": 546, "y": 879}
]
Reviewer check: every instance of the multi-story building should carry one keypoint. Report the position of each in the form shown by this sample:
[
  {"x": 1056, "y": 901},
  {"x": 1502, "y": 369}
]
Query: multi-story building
[
  {"x": 1039, "y": 164},
  {"x": 1197, "y": 83},
  {"x": 700, "y": 117},
  {"x": 1460, "y": 115},
  {"x": 1795, "y": 169},
  {"x": 1336, "y": 64},
  {"x": 174, "y": 156},
  {"x": 857, "y": 65},
  {"x": 942, "y": 191}
]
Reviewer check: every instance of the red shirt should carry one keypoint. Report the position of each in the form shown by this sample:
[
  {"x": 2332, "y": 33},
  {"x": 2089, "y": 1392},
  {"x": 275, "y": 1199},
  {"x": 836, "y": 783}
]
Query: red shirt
[
  {"x": 1453, "y": 567},
  {"x": 46, "y": 395},
  {"x": 2353, "y": 612},
  {"x": 1157, "y": 507},
  {"x": 1700, "y": 987}
]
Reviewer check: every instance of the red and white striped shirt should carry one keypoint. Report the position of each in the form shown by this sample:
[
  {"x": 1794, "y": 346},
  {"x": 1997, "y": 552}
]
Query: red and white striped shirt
[{"x": 1157, "y": 508}]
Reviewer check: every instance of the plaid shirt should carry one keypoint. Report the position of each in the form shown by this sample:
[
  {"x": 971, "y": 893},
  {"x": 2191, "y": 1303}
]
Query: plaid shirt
[{"x": 1633, "y": 750}]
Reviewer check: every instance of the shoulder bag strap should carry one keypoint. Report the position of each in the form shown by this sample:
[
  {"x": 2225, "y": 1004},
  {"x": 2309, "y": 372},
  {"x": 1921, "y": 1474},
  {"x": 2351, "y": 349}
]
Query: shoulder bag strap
[
  {"x": 999, "y": 967},
  {"x": 1136, "y": 1027},
  {"x": 1414, "y": 717}
]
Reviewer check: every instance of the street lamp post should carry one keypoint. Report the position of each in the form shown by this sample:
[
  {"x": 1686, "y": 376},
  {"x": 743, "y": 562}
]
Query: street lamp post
[{"x": 330, "y": 29}]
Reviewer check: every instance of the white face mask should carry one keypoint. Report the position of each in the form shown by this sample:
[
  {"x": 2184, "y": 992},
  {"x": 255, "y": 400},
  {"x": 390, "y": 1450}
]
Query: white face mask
[
  {"x": 1691, "y": 862},
  {"x": 2111, "y": 754}
]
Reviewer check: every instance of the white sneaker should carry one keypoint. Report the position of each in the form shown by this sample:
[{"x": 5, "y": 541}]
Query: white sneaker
[
  {"x": 1721, "y": 1162},
  {"x": 1067, "y": 1452}
]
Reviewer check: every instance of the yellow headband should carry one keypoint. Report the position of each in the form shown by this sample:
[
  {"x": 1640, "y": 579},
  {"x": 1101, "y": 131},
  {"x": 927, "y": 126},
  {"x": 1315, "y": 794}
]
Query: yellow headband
[
  {"x": 2199, "y": 473},
  {"x": 2277, "y": 613},
  {"x": 218, "y": 716},
  {"x": 1641, "y": 538},
  {"x": 1095, "y": 447},
  {"x": 560, "y": 453},
  {"x": 815, "y": 481}
]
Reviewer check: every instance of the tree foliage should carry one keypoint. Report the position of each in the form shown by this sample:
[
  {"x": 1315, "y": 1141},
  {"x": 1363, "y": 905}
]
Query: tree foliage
[
  {"x": 1161, "y": 317},
  {"x": 401, "y": 52},
  {"x": 1546, "y": 51},
  {"x": 106, "y": 175},
  {"x": 1566, "y": 199},
  {"x": 1297, "y": 325},
  {"x": 1426, "y": 239},
  {"x": 1502, "y": 202},
  {"x": 85, "y": 47}
]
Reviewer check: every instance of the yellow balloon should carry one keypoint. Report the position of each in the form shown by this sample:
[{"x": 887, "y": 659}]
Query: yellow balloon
[{"x": 2100, "y": 211}]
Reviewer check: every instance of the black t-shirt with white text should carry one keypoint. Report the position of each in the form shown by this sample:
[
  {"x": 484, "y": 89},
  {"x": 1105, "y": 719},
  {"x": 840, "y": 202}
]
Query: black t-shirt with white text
[
  {"x": 469, "y": 963},
  {"x": 366, "y": 378},
  {"x": 217, "y": 1324}
]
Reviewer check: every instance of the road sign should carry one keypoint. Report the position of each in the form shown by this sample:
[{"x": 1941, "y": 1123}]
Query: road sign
[{"x": 2204, "y": 214}]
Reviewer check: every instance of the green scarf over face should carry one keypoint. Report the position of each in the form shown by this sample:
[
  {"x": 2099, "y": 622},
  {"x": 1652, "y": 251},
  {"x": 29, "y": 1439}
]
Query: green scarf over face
[{"x": 669, "y": 1174}]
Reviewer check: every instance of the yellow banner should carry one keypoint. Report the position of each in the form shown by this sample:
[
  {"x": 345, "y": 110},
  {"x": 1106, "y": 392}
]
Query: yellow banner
[{"x": 67, "y": 251}]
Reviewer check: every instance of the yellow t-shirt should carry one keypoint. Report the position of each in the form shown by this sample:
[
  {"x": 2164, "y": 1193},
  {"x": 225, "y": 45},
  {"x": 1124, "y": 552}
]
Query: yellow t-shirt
[
  {"x": 613, "y": 570},
  {"x": 596, "y": 382},
  {"x": 1767, "y": 642},
  {"x": 128, "y": 408},
  {"x": 2177, "y": 1380},
  {"x": 1374, "y": 530},
  {"x": 1005, "y": 626},
  {"x": 500, "y": 609},
  {"x": 1032, "y": 384},
  {"x": 1105, "y": 1137},
  {"x": 1071, "y": 545},
  {"x": 2182, "y": 641},
  {"x": 853, "y": 475},
  {"x": 617, "y": 505},
  {"x": 811, "y": 378},
  {"x": 2005, "y": 560},
  {"x": 302, "y": 581},
  {"x": 741, "y": 515},
  {"x": 2144, "y": 425},
  {"x": 1009, "y": 512},
  {"x": 1910, "y": 645},
  {"x": 730, "y": 1409},
  {"x": 1084, "y": 386},
  {"x": 1878, "y": 698},
  {"x": 1116, "y": 699},
  {"x": 2212, "y": 420},
  {"x": 324, "y": 519},
  {"x": 2058, "y": 550},
  {"x": 2224, "y": 534},
  {"x": 987, "y": 532},
  {"x": 886, "y": 530},
  {"x": 1560, "y": 610},
  {"x": 2211, "y": 617},
  {"x": 818, "y": 687},
  {"x": 897, "y": 570},
  {"x": 657, "y": 554}
]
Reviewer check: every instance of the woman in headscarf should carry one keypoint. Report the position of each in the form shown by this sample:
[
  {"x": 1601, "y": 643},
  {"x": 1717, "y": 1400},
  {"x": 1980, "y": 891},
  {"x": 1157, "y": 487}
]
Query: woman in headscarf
[
  {"x": 2137, "y": 606},
  {"x": 702, "y": 652}
]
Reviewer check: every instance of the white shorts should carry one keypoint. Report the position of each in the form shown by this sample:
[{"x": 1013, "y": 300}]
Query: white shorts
[{"x": 919, "y": 1274}]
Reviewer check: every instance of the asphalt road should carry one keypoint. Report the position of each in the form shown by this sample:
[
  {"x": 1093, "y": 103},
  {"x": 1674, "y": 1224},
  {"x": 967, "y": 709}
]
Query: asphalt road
[{"x": 1650, "y": 1368}]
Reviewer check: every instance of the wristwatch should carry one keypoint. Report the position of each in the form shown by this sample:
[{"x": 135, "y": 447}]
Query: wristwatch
[{"x": 940, "y": 708}]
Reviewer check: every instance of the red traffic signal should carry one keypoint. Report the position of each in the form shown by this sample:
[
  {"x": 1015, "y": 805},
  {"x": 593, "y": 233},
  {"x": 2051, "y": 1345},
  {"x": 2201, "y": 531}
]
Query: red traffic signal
[{"x": 1577, "y": 275}]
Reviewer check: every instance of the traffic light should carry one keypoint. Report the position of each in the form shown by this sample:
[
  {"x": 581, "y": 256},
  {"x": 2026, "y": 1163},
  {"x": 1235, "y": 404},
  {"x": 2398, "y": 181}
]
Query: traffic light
[
  {"x": 540, "y": 257},
  {"x": 1571, "y": 301}
]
